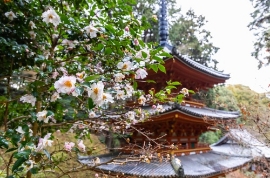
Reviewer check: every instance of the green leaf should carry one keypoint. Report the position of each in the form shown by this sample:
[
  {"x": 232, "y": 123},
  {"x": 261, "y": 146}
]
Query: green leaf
[
  {"x": 91, "y": 104},
  {"x": 18, "y": 163},
  {"x": 34, "y": 170},
  {"x": 92, "y": 77},
  {"x": 108, "y": 50},
  {"x": 110, "y": 28},
  {"x": 154, "y": 67},
  {"x": 24, "y": 153},
  {"x": 3, "y": 143},
  {"x": 165, "y": 54},
  {"x": 150, "y": 81},
  {"x": 144, "y": 54},
  {"x": 135, "y": 85},
  {"x": 99, "y": 47},
  {"x": 64, "y": 19},
  {"x": 11, "y": 149},
  {"x": 51, "y": 88},
  {"x": 162, "y": 68},
  {"x": 191, "y": 91}
]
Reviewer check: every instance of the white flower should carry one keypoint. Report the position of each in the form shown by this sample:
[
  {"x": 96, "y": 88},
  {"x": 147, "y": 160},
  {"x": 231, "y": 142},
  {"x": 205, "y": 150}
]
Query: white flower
[
  {"x": 30, "y": 164},
  {"x": 44, "y": 142},
  {"x": 184, "y": 91},
  {"x": 119, "y": 77},
  {"x": 66, "y": 84},
  {"x": 28, "y": 99},
  {"x": 129, "y": 89},
  {"x": 141, "y": 74},
  {"x": 10, "y": 15},
  {"x": 32, "y": 25},
  {"x": 42, "y": 116},
  {"x": 68, "y": 43},
  {"x": 81, "y": 146},
  {"x": 96, "y": 91},
  {"x": 131, "y": 115},
  {"x": 120, "y": 94},
  {"x": 55, "y": 96},
  {"x": 32, "y": 34},
  {"x": 106, "y": 97},
  {"x": 50, "y": 16},
  {"x": 20, "y": 130},
  {"x": 80, "y": 76},
  {"x": 125, "y": 66},
  {"x": 141, "y": 100},
  {"x": 92, "y": 114},
  {"x": 159, "y": 108},
  {"x": 55, "y": 74},
  {"x": 68, "y": 146},
  {"x": 91, "y": 30}
]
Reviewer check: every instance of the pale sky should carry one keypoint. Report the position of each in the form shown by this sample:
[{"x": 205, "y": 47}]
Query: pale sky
[{"x": 227, "y": 22}]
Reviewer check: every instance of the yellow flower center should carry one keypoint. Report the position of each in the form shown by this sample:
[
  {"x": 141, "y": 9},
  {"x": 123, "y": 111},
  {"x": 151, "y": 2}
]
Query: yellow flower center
[
  {"x": 96, "y": 91},
  {"x": 50, "y": 16},
  {"x": 125, "y": 66},
  {"x": 80, "y": 76},
  {"x": 104, "y": 97},
  {"x": 68, "y": 83}
]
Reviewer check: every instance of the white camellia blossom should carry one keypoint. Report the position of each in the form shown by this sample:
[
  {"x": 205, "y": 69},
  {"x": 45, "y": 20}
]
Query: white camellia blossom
[
  {"x": 66, "y": 84},
  {"x": 131, "y": 115},
  {"x": 120, "y": 94},
  {"x": 50, "y": 16},
  {"x": 32, "y": 25},
  {"x": 159, "y": 108},
  {"x": 96, "y": 91},
  {"x": 10, "y": 15},
  {"x": 141, "y": 100},
  {"x": 92, "y": 114},
  {"x": 55, "y": 96},
  {"x": 129, "y": 89},
  {"x": 20, "y": 130},
  {"x": 141, "y": 74},
  {"x": 81, "y": 146},
  {"x": 91, "y": 30},
  {"x": 42, "y": 116},
  {"x": 28, "y": 99},
  {"x": 44, "y": 142},
  {"x": 125, "y": 66},
  {"x": 32, "y": 34},
  {"x": 119, "y": 77},
  {"x": 185, "y": 91},
  {"x": 106, "y": 97}
]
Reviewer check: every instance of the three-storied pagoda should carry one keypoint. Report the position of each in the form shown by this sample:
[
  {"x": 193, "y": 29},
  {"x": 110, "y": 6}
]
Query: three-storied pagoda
[{"x": 178, "y": 127}]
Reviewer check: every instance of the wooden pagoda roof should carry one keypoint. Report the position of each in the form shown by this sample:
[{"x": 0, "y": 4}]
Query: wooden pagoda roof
[
  {"x": 195, "y": 114},
  {"x": 189, "y": 73}
]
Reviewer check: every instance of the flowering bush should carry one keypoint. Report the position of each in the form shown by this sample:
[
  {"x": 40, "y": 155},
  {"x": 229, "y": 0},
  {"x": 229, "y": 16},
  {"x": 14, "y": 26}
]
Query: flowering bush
[{"x": 86, "y": 57}]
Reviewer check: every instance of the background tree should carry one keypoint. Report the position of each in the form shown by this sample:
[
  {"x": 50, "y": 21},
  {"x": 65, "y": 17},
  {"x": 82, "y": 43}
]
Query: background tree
[
  {"x": 186, "y": 31},
  {"x": 261, "y": 28}
]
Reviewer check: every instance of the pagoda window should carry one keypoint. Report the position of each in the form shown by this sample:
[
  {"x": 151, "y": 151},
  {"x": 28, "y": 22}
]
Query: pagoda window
[{"x": 193, "y": 145}]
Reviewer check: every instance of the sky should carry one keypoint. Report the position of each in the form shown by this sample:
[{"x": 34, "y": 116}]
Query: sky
[{"x": 227, "y": 22}]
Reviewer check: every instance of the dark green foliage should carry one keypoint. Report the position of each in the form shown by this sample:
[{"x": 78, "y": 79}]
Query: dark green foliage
[
  {"x": 260, "y": 27},
  {"x": 210, "y": 137}
]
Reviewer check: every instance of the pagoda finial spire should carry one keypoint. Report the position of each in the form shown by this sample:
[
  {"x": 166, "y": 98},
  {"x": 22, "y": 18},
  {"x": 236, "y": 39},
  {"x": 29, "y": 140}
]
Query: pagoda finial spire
[{"x": 163, "y": 23}]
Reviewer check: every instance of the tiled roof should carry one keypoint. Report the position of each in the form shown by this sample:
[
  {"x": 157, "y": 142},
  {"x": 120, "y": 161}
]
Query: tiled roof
[
  {"x": 200, "y": 112},
  {"x": 197, "y": 66},
  {"x": 198, "y": 165},
  {"x": 239, "y": 141}
]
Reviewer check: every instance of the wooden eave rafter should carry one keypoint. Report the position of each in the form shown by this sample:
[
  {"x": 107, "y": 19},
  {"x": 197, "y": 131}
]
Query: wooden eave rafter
[
  {"x": 175, "y": 115},
  {"x": 189, "y": 77}
]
